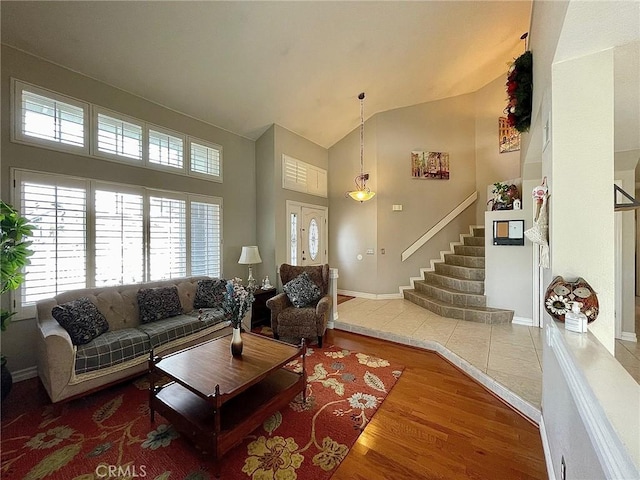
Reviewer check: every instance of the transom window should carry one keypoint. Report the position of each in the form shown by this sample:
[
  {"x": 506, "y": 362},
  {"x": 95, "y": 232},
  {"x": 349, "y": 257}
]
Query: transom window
[{"x": 51, "y": 120}]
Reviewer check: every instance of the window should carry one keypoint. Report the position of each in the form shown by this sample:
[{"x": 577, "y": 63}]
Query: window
[
  {"x": 313, "y": 238},
  {"x": 116, "y": 136},
  {"x": 165, "y": 149},
  {"x": 51, "y": 120},
  {"x": 47, "y": 118},
  {"x": 119, "y": 223},
  {"x": 205, "y": 159},
  {"x": 90, "y": 233},
  {"x": 206, "y": 239},
  {"x": 293, "y": 220},
  {"x": 57, "y": 208},
  {"x": 303, "y": 177}
]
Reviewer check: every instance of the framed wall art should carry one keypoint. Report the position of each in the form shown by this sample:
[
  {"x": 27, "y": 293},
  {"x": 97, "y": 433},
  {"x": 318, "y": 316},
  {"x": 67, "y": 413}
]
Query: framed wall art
[
  {"x": 430, "y": 165},
  {"x": 508, "y": 137}
]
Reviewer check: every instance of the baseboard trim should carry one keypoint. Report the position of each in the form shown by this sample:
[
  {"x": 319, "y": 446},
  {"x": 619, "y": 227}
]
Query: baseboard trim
[
  {"x": 629, "y": 337},
  {"x": 370, "y": 296},
  {"x": 527, "y": 322},
  {"x": 547, "y": 450},
  {"x": 25, "y": 374}
]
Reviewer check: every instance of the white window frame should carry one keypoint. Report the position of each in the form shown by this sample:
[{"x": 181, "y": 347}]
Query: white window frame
[
  {"x": 90, "y": 137},
  {"x": 171, "y": 133},
  {"x": 17, "y": 135},
  {"x": 308, "y": 179},
  {"x": 208, "y": 200},
  {"x": 95, "y": 148},
  {"x": 203, "y": 143},
  {"x": 91, "y": 185}
]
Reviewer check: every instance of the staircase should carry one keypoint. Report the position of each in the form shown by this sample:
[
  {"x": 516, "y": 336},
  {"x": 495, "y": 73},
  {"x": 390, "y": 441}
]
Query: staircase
[{"x": 455, "y": 287}]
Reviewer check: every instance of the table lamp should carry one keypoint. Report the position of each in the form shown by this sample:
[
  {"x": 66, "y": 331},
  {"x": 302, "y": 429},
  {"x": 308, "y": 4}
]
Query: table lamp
[{"x": 250, "y": 256}]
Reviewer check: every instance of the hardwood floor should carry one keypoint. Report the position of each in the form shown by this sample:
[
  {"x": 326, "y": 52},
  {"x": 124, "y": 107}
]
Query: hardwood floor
[{"x": 438, "y": 423}]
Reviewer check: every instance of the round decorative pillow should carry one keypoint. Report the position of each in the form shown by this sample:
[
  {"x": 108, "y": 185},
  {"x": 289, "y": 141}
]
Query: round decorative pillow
[{"x": 561, "y": 295}]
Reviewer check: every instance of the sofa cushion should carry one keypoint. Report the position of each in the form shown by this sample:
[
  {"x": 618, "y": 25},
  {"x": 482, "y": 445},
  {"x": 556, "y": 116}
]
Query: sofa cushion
[
  {"x": 158, "y": 303},
  {"x": 210, "y": 293},
  {"x": 111, "y": 348},
  {"x": 302, "y": 291},
  {"x": 81, "y": 319},
  {"x": 172, "y": 328}
]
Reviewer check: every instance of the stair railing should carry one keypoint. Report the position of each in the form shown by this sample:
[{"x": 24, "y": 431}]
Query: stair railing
[{"x": 439, "y": 226}]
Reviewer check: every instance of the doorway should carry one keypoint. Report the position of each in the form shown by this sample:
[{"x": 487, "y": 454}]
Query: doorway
[{"x": 307, "y": 238}]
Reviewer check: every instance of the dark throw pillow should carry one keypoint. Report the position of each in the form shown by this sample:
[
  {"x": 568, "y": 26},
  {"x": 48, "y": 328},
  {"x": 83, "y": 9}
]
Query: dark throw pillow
[
  {"x": 210, "y": 293},
  {"x": 158, "y": 303},
  {"x": 302, "y": 291},
  {"x": 81, "y": 319}
]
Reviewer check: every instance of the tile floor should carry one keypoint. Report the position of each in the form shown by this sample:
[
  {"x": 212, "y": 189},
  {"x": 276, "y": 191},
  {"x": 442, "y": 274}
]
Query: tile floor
[
  {"x": 509, "y": 355},
  {"x": 628, "y": 354}
]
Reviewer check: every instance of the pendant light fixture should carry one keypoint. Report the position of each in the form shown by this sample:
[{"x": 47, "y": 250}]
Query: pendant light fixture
[{"x": 362, "y": 192}]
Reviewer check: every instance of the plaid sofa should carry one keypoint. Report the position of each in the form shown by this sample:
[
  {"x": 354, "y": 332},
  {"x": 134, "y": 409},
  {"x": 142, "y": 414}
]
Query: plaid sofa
[{"x": 68, "y": 371}]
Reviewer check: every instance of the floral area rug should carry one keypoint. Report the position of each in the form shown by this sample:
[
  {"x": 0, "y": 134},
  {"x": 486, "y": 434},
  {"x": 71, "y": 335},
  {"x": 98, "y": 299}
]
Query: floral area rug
[{"x": 109, "y": 435}]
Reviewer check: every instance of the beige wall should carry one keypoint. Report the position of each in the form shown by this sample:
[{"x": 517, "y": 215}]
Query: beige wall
[
  {"x": 491, "y": 165},
  {"x": 447, "y": 125},
  {"x": 272, "y": 198},
  {"x": 238, "y": 190}
]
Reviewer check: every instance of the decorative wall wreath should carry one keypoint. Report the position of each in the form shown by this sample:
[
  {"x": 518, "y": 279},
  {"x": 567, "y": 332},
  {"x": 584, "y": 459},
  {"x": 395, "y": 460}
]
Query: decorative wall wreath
[{"x": 520, "y": 92}]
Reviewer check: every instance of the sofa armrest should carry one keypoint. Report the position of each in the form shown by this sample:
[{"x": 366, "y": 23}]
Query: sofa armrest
[
  {"x": 56, "y": 356},
  {"x": 323, "y": 305}
]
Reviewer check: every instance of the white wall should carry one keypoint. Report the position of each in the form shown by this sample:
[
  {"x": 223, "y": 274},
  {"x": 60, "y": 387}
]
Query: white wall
[{"x": 508, "y": 282}]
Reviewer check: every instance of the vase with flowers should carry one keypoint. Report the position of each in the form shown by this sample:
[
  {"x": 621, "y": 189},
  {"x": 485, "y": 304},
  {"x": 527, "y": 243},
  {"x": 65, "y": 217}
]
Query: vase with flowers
[{"x": 236, "y": 303}]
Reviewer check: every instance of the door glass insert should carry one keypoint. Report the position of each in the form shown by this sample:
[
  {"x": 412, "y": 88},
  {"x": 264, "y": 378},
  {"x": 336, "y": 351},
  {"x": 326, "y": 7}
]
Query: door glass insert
[
  {"x": 314, "y": 234},
  {"x": 294, "y": 239}
]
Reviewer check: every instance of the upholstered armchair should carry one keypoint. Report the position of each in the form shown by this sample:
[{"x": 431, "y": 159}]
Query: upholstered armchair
[{"x": 309, "y": 321}]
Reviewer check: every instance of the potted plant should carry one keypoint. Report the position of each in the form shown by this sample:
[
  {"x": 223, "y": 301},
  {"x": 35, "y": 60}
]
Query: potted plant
[{"x": 14, "y": 255}]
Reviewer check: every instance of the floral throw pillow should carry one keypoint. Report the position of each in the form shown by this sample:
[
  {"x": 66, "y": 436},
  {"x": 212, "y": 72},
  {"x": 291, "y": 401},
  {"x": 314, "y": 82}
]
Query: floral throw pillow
[
  {"x": 210, "y": 293},
  {"x": 302, "y": 291},
  {"x": 158, "y": 303},
  {"x": 81, "y": 319}
]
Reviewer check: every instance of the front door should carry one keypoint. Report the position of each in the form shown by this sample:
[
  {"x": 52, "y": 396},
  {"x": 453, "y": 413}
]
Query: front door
[{"x": 313, "y": 248}]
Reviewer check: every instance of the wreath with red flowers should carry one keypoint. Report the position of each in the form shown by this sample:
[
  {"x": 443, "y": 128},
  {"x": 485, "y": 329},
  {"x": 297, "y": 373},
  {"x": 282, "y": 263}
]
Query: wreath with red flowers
[{"x": 520, "y": 92}]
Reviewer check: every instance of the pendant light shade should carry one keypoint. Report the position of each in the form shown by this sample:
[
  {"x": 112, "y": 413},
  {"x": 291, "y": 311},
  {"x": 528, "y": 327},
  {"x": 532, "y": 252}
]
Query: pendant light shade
[{"x": 362, "y": 193}]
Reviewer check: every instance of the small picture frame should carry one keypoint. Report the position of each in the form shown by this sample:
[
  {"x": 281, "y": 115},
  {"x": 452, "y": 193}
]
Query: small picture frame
[{"x": 508, "y": 232}]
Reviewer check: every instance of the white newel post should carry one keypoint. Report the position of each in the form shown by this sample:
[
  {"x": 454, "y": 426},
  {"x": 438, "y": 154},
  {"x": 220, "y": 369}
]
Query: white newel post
[{"x": 333, "y": 290}]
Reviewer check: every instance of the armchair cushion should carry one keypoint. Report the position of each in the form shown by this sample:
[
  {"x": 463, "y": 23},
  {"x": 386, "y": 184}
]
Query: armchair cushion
[
  {"x": 158, "y": 303},
  {"x": 210, "y": 293},
  {"x": 301, "y": 291},
  {"x": 81, "y": 319}
]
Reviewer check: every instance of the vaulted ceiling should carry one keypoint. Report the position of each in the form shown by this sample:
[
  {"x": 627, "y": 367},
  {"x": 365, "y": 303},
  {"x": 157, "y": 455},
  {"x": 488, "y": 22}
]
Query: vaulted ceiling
[{"x": 245, "y": 65}]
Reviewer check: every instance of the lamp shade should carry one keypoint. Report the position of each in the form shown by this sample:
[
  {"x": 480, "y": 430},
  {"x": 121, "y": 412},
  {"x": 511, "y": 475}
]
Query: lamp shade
[{"x": 250, "y": 256}]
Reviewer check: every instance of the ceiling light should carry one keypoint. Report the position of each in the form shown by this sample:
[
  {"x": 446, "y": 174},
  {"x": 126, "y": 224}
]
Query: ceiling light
[{"x": 362, "y": 192}]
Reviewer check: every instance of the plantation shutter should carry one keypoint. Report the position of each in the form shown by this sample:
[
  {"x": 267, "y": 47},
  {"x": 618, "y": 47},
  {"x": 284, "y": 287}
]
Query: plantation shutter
[
  {"x": 205, "y": 159},
  {"x": 118, "y": 137},
  {"x": 165, "y": 149},
  {"x": 167, "y": 238},
  {"x": 119, "y": 244},
  {"x": 294, "y": 174},
  {"x": 51, "y": 117},
  {"x": 206, "y": 239},
  {"x": 57, "y": 208}
]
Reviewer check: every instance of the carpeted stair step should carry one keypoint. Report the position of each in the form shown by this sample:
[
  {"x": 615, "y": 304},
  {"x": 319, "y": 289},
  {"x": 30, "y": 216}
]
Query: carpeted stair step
[
  {"x": 449, "y": 295},
  {"x": 478, "y": 232},
  {"x": 493, "y": 316},
  {"x": 475, "y": 251},
  {"x": 455, "y": 283},
  {"x": 458, "y": 271},
  {"x": 474, "y": 241},
  {"x": 464, "y": 260}
]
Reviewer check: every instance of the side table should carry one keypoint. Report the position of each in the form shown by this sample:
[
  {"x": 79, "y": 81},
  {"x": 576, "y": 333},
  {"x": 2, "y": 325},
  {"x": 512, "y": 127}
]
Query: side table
[{"x": 260, "y": 313}]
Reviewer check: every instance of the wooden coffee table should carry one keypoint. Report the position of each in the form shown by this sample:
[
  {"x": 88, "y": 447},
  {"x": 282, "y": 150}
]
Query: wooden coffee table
[{"x": 215, "y": 399}]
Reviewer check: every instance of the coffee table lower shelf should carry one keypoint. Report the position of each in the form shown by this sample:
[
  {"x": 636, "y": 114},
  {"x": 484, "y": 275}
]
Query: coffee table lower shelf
[{"x": 195, "y": 417}]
